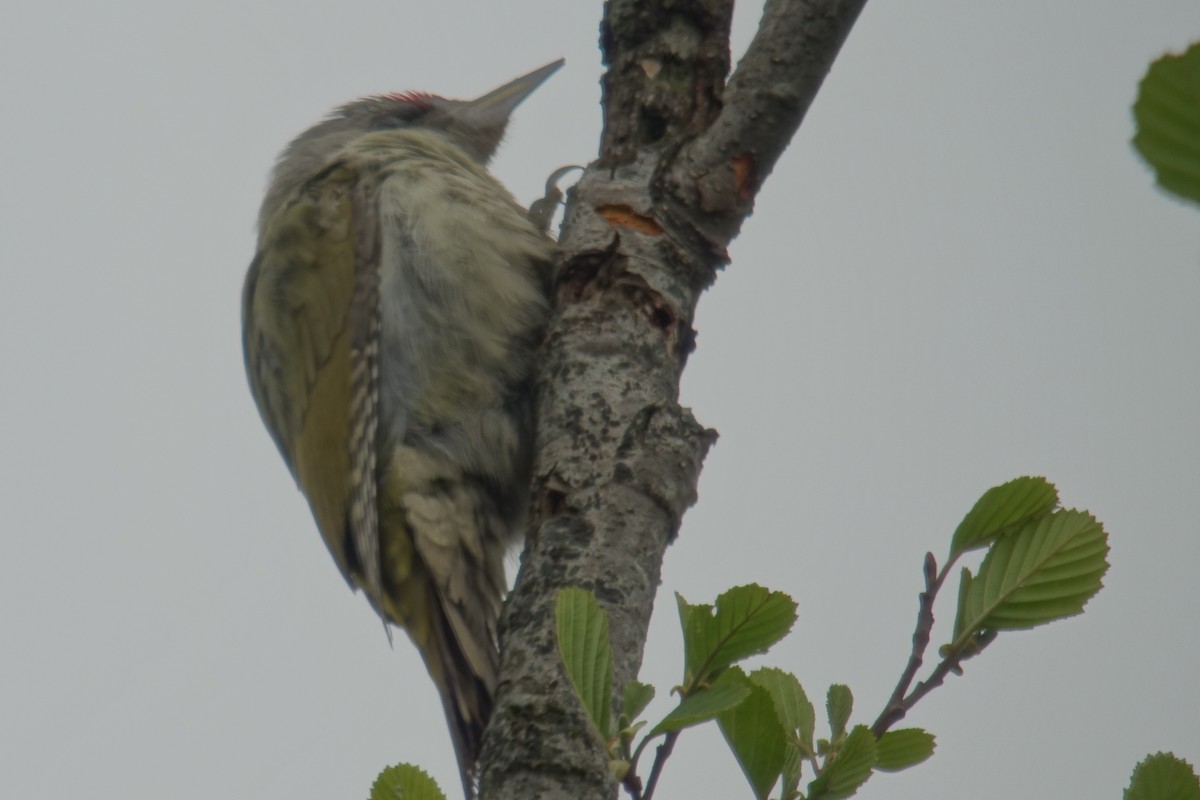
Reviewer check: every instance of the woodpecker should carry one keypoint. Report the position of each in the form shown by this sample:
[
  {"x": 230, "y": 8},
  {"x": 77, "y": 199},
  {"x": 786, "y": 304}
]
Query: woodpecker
[{"x": 389, "y": 317}]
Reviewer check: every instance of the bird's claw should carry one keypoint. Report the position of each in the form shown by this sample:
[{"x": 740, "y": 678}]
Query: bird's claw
[{"x": 541, "y": 211}]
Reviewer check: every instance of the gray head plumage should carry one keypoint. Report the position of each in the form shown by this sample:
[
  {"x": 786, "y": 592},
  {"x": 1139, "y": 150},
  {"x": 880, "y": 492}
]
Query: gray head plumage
[{"x": 476, "y": 126}]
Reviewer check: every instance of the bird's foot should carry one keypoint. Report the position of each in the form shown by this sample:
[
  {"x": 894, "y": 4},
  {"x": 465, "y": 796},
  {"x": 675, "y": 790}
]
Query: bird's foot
[{"x": 541, "y": 212}]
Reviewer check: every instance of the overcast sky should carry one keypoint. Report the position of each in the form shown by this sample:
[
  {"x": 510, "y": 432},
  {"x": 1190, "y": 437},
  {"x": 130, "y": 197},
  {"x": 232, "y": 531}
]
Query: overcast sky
[{"x": 959, "y": 273}]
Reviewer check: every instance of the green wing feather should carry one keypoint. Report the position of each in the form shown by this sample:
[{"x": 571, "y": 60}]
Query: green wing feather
[{"x": 297, "y": 340}]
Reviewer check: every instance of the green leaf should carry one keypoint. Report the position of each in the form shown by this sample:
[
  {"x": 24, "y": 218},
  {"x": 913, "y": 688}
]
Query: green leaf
[
  {"x": 705, "y": 704},
  {"x": 903, "y": 748},
  {"x": 1044, "y": 572},
  {"x": 849, "y": 769},
  {"x": 966, "y": 579},
  {"x": 686, "y": 610},
  {"x": 1167, "y": 117},
  {"x": 405, "y": 782},
  {"x": 1163, "y": 776},
  {"x": 754, "y": 735},
  {"x": 627, "y": 735},
  {"x": 635, "y": 696},
  {"x": 582, "y": 628},
  {"x": 1003, "y": 509},
  {"x": 838, "y": 705},
  {"x": 747, "y": 620},
  {"x": 793, "y": 766},
  {"x": 792, "y": 706}
]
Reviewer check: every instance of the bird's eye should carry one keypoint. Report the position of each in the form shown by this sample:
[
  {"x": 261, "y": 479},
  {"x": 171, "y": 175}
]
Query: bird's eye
[{"x": 400, "y": 117}]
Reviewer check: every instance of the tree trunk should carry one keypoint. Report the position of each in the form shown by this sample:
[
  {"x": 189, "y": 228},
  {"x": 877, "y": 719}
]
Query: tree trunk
[{"x": 682, "y": 157}]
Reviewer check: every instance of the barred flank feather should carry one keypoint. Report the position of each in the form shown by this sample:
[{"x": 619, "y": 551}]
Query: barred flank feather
[{"x": 364, "y": 389}]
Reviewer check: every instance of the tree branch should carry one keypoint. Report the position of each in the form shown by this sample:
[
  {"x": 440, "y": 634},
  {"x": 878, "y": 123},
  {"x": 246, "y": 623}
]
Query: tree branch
[
  {"x": 618, "y": 459},
  {"x": 895, "y": 709},
  {"x": 901, "y": 701},
  {"x": 718, "y": 174}
]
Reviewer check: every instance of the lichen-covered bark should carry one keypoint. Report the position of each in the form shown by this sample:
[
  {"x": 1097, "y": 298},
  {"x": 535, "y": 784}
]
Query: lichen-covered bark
[{"x": 682, "y": 157}]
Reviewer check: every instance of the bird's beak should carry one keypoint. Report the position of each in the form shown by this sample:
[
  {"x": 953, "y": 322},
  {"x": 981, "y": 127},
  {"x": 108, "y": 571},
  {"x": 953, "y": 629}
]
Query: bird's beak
[{"x": 495, "y": 107}]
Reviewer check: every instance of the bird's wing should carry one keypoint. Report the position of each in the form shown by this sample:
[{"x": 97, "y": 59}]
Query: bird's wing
[{"x": 309, "y": 359}]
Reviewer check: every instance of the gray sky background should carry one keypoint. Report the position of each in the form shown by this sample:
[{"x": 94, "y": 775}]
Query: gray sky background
[{"x": 959, "y": 273}]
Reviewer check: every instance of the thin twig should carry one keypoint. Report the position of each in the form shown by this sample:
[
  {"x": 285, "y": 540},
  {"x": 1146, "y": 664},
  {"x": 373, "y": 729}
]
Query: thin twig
[
  {"x": 660, "y": 759},
  {"x": 631, "y": 781},
  {"x": 902, "y": 700},
  {"x": 951, "y": 663},
  {"x": 895, "y": 709},
  {"x": 633, "y": 784}
]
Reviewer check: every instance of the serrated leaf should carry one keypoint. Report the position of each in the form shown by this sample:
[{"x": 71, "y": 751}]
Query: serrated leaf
[
  {"x": 1163, "y": 776},
  {"x": 1167, "y": 117},
  {"x": 754, "y": 735},
  {"x": 1044, "y": 572},
  {"x": 746, "y": 620},
  {"x": 839, "y": 703},
  {"x": 685, "y": 612},
  {"x": 1003, "y": 509},
  {"x": 792, "y": 705},
  {"x": 849, "y": 770},
  {"x": 582, "y": 628},
  {"x": 635, "y": 696},
  {"x": 405, "y": 782},
  {"x": 903, "y": 748},
  {"x": 722, "y": 695},
  {"x": 793, "y": 768}
]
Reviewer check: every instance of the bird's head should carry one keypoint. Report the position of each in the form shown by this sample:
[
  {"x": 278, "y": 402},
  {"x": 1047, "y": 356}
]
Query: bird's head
[{"x": 476, "y": 126}]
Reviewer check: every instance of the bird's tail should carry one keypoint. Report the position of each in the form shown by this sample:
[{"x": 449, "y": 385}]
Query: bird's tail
[
  {"x": 443, "y": 547},
  {"x": 466, "y": 697}
]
